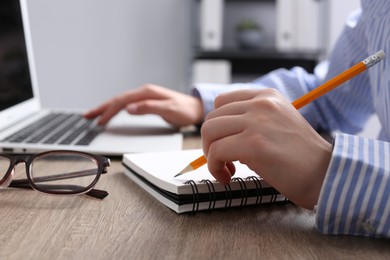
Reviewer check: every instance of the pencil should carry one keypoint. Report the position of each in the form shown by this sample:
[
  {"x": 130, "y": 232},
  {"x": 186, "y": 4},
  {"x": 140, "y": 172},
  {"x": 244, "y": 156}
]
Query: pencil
[{"x": 312, "y": 95}]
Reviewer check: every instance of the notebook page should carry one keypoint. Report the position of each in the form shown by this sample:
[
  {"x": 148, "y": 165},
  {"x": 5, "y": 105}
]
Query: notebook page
[{"x": 160, "y": 168}]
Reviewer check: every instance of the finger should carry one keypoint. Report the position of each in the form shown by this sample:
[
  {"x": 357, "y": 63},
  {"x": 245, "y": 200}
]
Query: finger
[
  {"x": 220, "y": 157},
  {"x": 234, "y": 96},
  {"x": 108, "y": 109},
  {"x": 147, "y": 92},
  {"x": 221, "y": 173},
  {"x": 97, "y": 111},
  {"x": 148, "y": 99},
  {"x": 236, "y": 108},
  {"x": 220, "y": 127},
  {"x": 227, "y": 149},
  {"x": 161, "y": 108},
  {"x": 158, "y": 107},
  {"x": 109, "y": 113},
  {"x": 231, "y": 167},
  {"x": 242, "y": 95},
  {"x": 92, "y": 113}
]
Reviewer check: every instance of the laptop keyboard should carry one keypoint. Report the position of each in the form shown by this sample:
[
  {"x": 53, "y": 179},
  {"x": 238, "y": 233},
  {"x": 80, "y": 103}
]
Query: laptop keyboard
[{"x": 58, "y": 128}]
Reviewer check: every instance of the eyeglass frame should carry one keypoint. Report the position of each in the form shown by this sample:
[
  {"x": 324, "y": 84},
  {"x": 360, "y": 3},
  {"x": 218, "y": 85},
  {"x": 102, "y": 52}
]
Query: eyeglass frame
[{"x": 101, "y": 161}]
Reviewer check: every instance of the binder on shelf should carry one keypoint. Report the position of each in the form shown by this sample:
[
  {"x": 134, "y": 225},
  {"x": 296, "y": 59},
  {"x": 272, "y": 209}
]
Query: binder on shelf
[
  {"x": 197, "y": 190},
  {"x": 300, "y": 25},
  {"x": 211, "y": 24},
  {"x": 211, "y": 71}
]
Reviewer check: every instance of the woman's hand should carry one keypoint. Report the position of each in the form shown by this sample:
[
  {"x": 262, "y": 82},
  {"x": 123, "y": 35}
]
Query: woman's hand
[
  {"x": 261, "y": 129},
  {"x": 176, "y": 108}
]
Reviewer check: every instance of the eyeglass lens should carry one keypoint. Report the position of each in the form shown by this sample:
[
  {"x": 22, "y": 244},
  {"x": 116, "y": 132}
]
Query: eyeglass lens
[
  {"x": 4, "y": 165},
  {"x": 65, "y": 173}
]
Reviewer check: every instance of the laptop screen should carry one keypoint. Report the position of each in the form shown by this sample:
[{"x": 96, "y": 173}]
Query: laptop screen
[{"x": 15, "y": 82}]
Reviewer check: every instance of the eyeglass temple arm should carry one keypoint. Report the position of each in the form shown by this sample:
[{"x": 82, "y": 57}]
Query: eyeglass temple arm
[
  {"x": 24, "y": 184},
  {"x": 96, "y": 193},
  {"x": 67, "y": 175}
]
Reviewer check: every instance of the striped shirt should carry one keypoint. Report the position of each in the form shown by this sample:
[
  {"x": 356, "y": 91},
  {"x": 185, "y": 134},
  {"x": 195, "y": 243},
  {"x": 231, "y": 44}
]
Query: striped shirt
[{"x": 355, "y": 196}]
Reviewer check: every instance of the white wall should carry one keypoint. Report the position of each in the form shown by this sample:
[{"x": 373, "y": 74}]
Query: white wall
[
  {"x": 338, "y": 12},
  {"x": 89, "y": 50}
]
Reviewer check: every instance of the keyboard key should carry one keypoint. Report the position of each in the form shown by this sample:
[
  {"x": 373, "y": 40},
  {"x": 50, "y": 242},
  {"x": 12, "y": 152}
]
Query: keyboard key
[{"x": 63, "y": 128}]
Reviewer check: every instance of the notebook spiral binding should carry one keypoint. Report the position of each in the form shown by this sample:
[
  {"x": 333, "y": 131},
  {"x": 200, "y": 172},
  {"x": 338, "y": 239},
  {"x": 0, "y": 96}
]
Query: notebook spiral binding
[
  {"x": 211, "y": 189},
  {"x": 259, "y": 188},
  {"x": 244, "y": 197},
  {"x": 195, "y": 195},
  {"x": 228, "y": 193}
]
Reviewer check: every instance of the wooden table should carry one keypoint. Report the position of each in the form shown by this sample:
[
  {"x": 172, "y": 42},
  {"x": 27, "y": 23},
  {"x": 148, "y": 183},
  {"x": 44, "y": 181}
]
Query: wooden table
[{"x": 130, "y": 224}]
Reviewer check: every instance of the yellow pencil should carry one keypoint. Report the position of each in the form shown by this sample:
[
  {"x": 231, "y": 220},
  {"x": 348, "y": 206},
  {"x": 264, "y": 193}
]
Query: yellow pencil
[{"x": 312, "y": 95}]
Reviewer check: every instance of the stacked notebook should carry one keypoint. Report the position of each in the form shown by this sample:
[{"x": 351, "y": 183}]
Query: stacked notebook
[{"x": 196, "y": 190}]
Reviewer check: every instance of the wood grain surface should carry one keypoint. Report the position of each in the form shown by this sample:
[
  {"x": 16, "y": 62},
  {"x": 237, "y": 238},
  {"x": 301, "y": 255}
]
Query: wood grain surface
[{"x": 130, "y": 224}]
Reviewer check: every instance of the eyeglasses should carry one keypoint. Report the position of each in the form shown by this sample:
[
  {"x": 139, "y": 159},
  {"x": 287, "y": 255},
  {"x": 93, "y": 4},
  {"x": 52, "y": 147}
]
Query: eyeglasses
[{"x": 59, "y": 172}]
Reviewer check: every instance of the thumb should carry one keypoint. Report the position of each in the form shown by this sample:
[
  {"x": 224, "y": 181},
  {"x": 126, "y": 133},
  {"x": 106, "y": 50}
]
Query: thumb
[{"x": 158, "y": 107}]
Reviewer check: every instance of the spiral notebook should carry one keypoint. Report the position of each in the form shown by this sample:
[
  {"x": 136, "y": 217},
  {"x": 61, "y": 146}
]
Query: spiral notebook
[{"x": 196, "y": 190}]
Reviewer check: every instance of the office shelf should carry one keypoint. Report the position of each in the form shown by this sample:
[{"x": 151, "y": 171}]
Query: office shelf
[
  {"x": 261, "y": 60},
  {"x": 250, "y": 63}
]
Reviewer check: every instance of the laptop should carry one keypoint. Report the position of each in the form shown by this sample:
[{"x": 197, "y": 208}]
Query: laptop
[{"x": 25, "y": 127}]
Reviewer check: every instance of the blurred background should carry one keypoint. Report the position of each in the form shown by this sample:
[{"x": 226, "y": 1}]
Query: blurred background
[{"x": 89, "y": 50}]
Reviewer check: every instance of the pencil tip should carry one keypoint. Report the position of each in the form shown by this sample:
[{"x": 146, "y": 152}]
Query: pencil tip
[{"x": 188, "y": 168}]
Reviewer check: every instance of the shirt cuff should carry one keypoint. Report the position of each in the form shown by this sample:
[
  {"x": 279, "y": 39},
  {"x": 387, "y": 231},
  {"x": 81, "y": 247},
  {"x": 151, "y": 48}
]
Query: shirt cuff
[{"x": 355, "y": 192}]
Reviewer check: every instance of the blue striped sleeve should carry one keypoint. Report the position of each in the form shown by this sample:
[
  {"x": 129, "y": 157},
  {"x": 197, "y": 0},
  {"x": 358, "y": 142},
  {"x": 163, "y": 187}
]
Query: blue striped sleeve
[
  {"x": 291, "y": 83},
  {"x": 356, "y": 190}
]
